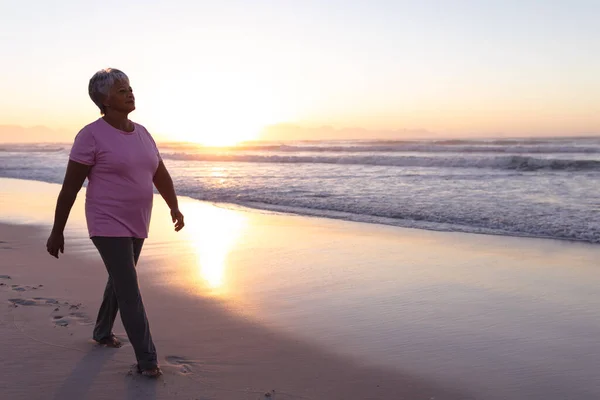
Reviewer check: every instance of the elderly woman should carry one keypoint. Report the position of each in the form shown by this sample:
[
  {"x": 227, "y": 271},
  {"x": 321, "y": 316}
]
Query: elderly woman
[{"x": 121, "y": 161}]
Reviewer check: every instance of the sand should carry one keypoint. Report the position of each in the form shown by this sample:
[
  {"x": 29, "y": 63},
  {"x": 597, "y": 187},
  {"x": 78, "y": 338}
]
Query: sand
[
  {"x": 205, "y": 352},
  {"x": 251, "y": 305}
]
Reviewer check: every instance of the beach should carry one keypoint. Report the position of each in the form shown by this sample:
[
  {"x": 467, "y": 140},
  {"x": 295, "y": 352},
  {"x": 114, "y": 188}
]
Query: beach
[
  {"x": 393, "y": 200},
  {"x": 249, "y": 304}
]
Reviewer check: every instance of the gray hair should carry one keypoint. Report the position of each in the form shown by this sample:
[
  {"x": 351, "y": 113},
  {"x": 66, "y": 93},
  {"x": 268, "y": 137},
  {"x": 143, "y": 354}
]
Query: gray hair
[{"x": 101, "y": 83}]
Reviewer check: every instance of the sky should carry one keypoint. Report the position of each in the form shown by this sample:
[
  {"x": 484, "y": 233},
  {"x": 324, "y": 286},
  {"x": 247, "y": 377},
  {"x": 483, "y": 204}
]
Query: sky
[{"x": 224, "y": 71}]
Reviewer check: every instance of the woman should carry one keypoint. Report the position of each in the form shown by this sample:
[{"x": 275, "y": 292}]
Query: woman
[{"x": 121, "y": 161}]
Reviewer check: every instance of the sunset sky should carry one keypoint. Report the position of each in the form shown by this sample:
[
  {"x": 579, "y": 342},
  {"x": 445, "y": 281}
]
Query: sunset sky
[{"x": 219, "y": 71}]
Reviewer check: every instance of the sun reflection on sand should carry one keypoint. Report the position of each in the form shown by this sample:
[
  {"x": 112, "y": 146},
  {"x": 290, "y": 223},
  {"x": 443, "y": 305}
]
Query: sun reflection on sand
[{"x": 213, "y": 233}]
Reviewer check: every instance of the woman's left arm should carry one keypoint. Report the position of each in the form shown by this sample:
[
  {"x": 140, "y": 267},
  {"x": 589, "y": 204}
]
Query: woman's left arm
[{"x": 164, "y": 184}]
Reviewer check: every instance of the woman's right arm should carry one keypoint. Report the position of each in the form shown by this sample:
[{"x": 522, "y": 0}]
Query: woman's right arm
[{"x": 74, "y": 178}]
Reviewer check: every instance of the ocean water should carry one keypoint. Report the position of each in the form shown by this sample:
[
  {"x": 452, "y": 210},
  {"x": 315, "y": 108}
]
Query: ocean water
[{"x": 545, "y": 188}]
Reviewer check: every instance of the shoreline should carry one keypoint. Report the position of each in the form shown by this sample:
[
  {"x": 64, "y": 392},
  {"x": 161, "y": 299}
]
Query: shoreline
[
  {"x": 352, "y": 218},
  {"x": 380, "y": 221}
]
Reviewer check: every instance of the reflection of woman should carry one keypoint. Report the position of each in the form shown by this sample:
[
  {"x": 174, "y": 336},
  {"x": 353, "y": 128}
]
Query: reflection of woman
[{"x": 121, "y": 162}]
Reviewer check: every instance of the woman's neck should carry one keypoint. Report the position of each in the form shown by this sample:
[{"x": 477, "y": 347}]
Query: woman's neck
[{"x": 119, "y": 121}]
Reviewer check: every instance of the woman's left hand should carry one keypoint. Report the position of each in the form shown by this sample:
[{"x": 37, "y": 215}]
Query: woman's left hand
[{"x": 177, "y": 217}]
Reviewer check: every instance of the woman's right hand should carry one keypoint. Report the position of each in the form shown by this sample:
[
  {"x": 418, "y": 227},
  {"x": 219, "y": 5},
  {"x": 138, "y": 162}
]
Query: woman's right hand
[
  {"x": 55, "y": 242},
  {"x": 74, "y": 178}
]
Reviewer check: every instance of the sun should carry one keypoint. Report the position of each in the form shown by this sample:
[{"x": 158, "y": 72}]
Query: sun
[
  {"x": 218, "y": 132},
  {"x": 217, "y": 129},
  {"x": 224, "y": 136},
  {"x": 211, "y": 114}
]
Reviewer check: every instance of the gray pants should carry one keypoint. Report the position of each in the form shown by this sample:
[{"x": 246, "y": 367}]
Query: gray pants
[{"x": 120, "y": 256}]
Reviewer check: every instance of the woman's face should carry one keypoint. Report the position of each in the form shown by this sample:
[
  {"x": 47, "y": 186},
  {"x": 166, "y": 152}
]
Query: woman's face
[{"x": 120, "y": 97}]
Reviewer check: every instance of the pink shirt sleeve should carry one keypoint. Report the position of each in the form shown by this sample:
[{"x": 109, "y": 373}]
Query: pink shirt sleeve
[
  {"x": 153, "y": 142},
  {"x": 84, "y": 148}
]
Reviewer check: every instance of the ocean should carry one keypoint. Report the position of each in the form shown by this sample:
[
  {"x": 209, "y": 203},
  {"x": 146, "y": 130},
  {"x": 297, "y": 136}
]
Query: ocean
[{"x": 545, "y": 188}]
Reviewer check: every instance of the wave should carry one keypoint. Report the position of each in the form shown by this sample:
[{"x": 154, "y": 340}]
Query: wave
[
  {"x": 417, "y": 221},
  {"x": 588, "y": 146},
  {"x": 551, "y": 226},
  {"x": 523, "y": 163},
  {"x": 438, "y": 148},
  {"x": 450, "y": 149},
  {"x": 34, "y": 148},
  {"x": 443, "y": 201}
]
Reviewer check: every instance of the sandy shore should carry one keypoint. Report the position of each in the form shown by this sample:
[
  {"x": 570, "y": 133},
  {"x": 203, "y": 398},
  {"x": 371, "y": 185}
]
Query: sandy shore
[
  {"x": 243, "y": 303},
  {"x": 206, "y": 352},
  {"x": 208, "y": 348}
]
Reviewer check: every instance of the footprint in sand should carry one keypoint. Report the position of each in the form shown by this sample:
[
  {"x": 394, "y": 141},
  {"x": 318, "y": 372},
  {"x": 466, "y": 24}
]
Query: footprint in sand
[
  {"x": 58, "y": 317},
  {"x": 24, "y": 288},
  {"x": 35, "y": 301},
  {"x": 22, "y": 302},
  {"x": 61, "y": 319},
  {"x": 4, "y": 277},
  {"x": 182, "y": 365}
]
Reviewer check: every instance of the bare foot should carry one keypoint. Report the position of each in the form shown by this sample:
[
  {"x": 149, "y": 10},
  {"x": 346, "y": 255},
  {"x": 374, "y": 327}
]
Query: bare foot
[
  {"x": 111, "y": 341},
  {"x": 153, "y": 372}
]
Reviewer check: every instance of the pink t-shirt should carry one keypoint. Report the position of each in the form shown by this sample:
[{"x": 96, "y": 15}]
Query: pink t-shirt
[{"x": 119, "y": 195}]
